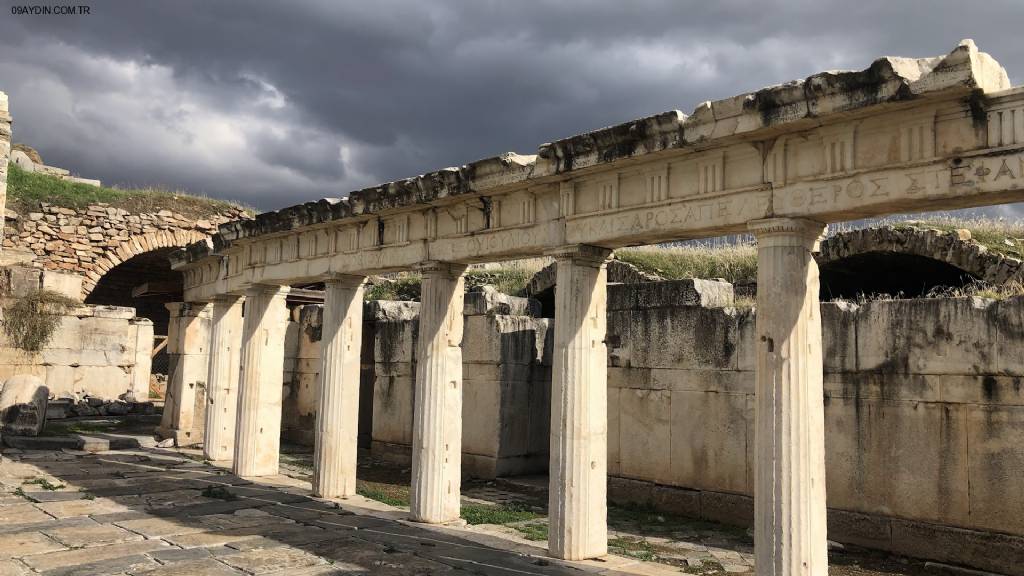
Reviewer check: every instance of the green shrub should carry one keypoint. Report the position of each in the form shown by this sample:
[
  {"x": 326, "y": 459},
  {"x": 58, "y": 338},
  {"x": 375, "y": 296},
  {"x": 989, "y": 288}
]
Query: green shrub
[{"x": 30, "y": 321}]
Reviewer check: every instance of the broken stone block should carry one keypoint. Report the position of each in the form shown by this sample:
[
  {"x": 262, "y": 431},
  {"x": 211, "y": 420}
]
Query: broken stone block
[{"x": 23, "y": 403}]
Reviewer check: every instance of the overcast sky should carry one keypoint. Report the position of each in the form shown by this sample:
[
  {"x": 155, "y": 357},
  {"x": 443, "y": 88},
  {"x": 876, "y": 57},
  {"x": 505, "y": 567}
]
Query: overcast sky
[{"x": 275, "y": 103}]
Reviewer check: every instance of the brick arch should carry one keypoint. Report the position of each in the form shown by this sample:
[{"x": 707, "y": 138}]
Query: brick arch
[
  {"x": 135, "y": 246},
  {"x": 945, "y": 247}
]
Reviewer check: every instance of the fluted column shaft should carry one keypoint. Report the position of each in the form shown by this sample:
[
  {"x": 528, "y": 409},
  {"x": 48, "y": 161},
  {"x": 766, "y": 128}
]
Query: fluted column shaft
[
  {"x": 222, "y": 382},
  {"x": 577, "y": 504},
  {"x": 437, "y": 407},
  {"x": 258, "y": 432},
  {"x": 337, "y": 415},
  {"x": 789, "y": 457}
]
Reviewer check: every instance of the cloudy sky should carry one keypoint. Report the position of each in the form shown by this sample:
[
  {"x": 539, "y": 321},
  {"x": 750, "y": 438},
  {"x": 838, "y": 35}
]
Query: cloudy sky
[{"x": 274, "y": 103}]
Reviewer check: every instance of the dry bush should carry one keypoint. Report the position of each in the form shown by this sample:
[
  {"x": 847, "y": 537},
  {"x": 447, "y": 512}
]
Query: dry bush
[
  {"x": 31, "y": 320},
  {"x": 736, "y": 263}
]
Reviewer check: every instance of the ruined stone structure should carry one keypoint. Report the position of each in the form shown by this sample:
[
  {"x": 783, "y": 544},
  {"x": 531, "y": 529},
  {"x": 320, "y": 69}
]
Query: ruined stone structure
[
  {"x": 922, "y": 445},
  {"x": 903, "y": 135},
  {"x": 93, "y": 241},
  {"x": 103, "y": 351},
  {"x": 908, "y": 260},
  {"x": 29, "y": 164}
]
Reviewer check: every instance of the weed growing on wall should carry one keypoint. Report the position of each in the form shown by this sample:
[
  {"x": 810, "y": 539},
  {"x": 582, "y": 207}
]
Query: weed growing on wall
[{"x": 30, "y": 321}]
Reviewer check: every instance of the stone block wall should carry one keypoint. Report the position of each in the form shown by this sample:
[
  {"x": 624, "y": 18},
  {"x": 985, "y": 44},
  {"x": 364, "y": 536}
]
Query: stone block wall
[
  {"x": 102, "y": 351},
  {"x": 506, "y": 369},
  {"x": 924, "y": 414}
]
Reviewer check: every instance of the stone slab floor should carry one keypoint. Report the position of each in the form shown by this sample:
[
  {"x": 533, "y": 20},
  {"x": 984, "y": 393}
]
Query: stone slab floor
[{"x": 160, "y": 512}]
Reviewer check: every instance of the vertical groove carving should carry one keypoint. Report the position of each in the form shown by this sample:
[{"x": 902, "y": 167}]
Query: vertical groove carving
[
  {"x": 579, "y": 425},
  {"x": 258, "y": 432},
  {"x": 789, "y": 490},
  {"x": 337, "y": 416},
  {"x": 222, "y": 382},
  {"x": 437, "y": 405}
]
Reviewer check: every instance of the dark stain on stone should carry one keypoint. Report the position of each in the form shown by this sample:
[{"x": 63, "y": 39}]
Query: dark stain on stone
[{"x": 990, "y": 387}]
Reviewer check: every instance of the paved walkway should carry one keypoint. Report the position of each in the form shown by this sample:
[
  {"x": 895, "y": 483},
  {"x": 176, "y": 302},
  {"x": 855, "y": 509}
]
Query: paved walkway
[{"x": 154, "y": 512}]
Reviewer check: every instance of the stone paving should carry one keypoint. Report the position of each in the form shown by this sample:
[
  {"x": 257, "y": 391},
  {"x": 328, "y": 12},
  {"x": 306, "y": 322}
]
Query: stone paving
[
  {"x": 161, "y": 512},
  {"x": 155, "y": 512}
]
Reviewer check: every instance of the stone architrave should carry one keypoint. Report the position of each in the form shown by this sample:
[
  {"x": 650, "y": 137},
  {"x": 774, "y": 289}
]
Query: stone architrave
[
  {"x": 258, "y": 428},
  {"x": 437, "y": 410},
  {"x": 579, "y": 397},
  {"x": 337, "y": 417},
  {"x": 188, "y": 338},
  {"x": 222, "y": 383},
  {"x": 789, "y": 437}
]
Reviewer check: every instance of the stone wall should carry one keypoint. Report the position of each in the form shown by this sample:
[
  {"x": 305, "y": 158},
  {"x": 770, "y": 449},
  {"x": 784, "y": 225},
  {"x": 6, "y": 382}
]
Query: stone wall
[
  {"x": 91, "y": 241},
  {"x": 5, "y": 150},
  {"x": 100, "y": 351},
  {"x": 924, "y": 413},
  {"x": 506, "y": 368}
]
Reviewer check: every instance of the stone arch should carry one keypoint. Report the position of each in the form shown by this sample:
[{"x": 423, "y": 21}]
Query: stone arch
[
  {"x": 136, "y": 246},
  {"x": 907, "y": 260}
]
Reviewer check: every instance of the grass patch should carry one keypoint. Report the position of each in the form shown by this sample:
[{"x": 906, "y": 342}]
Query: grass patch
[
  {"x": 405, "y": 286},
  {"x": 510, "y": 281},
  {"x": 737, "y": 264},
  {"x": 25, "y": 190},
  {"x": 218, "y": 492},
  {"x": 534, "y": 531},
  {"x": 88, "y": 427},
  {"x": 638, "y": 548},
  {"x": 390, "y": 494},
  {"x": 44, "y": 484},
  {"x": 507, "y": 514}
]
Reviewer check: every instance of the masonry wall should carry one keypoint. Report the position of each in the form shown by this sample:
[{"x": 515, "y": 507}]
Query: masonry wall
[
  {"x": 91, "y": 241},
  {"x": 924, "y": 413},
  {"x": 101, "y": 351}
]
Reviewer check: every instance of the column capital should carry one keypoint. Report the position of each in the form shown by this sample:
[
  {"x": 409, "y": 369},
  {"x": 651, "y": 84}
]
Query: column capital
[
  {"x": 583, "y": 254},
  {"x": 345, "y": 280},
  {"x": 227, "y": 298},
  {"x": 787, "y": 232},
  {"x": 181, "y": 309},
  {"x": 268, "y": 289},
  {"x": 439, "y": 268}
]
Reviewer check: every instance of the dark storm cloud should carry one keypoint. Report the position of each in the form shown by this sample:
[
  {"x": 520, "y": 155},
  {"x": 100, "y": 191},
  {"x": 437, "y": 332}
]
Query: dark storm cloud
[{"x": 274, "y": 103}]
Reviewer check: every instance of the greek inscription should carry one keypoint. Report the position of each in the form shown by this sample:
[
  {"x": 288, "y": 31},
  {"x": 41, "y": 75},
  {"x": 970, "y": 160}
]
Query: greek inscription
[{"x": 1004, "y": 170}]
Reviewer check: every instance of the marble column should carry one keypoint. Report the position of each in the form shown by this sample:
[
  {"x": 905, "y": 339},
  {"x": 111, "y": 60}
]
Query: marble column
[
  {"x": 437, "y": 408},
  {"x": 337, "y": 415},
  {"x": 258, "y": 432},
  {"x": 188, "y": 340},
  {"x": 222, "y": 382},
  {"x": 579, "y": 406},
  {"x": 789, "y": 437}
]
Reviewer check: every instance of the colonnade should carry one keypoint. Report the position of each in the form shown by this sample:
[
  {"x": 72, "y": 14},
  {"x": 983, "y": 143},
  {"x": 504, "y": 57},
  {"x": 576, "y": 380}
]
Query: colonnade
[{"x": 243, "y": 417}]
